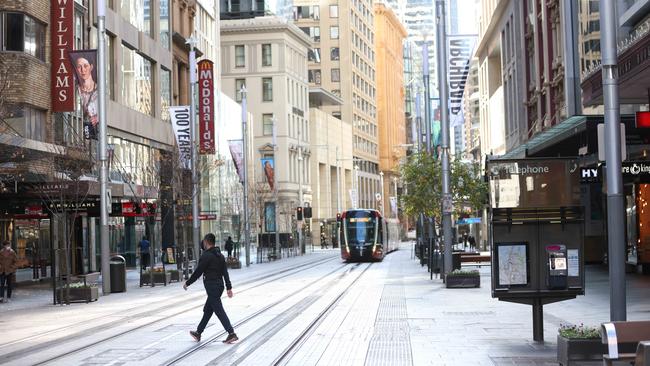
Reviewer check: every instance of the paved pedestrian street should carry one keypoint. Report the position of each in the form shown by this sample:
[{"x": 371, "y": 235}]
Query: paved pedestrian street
[{"x": 308, "y": 310}]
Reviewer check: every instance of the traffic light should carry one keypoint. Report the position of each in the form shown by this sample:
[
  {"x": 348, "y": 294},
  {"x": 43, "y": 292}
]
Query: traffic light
[
  {"x": 299, "y": 213},
  {"x": 308, "y": 212},
  {"x": 338, "y": 216}
]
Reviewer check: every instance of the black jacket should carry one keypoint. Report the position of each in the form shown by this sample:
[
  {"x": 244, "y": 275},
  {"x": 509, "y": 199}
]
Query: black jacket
[{"x": 212, "y": 265}]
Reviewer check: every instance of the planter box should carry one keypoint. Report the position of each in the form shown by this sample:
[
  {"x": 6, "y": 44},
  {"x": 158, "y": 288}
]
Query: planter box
[
  {"x": 78, "y": 294},
  {"x": 158, "y": 277},
  {"x": 569, "y": 350},
  {"x": 175, "y": 276},
  {"x": 463, "y": 281},
  {"x": 233, "y": 263}
]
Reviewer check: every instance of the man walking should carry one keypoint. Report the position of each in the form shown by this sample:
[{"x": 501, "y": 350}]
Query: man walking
[
  {"x": 212, "y": 265},
  {"x": 144, "y": 253},
  {"x": 230, "y": 245}
]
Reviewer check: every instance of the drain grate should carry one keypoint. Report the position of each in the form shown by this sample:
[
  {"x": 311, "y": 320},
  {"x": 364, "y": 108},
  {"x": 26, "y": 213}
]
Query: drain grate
[{"x": 390, "y": 343}]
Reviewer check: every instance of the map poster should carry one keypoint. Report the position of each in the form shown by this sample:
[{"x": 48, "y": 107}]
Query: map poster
[{"x": 513, "y": 263}]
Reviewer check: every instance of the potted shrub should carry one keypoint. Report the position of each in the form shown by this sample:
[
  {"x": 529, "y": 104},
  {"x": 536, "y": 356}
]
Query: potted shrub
[
  {"x": 463, "y": 279},
  {"x": 579, "y": 343},
  {"x": 78, "y": 292}
]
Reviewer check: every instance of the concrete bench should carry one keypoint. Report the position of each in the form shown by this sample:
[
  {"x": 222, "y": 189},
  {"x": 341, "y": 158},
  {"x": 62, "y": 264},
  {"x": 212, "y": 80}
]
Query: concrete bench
[{"x": 624, "y": 335}]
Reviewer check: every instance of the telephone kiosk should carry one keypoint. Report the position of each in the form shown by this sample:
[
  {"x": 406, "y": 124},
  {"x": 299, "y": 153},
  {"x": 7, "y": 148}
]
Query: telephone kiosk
[{"x": 557, "y": 267}]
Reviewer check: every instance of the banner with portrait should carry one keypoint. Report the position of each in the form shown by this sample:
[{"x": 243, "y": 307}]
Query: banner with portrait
[
  {"x": 268, "y": 166},
  {"x": 237, "y": 153},
  {"x": 84, "y": 63}
]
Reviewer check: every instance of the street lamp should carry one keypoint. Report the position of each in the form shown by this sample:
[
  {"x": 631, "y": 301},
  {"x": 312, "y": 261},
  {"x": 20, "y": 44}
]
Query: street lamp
[
  {"x": 275, "y": 189},
  {"x": 396, "y": 201}
]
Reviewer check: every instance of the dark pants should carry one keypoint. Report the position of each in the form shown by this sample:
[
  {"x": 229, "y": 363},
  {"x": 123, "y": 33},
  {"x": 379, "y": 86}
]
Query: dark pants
[
  {"x": 144, "y": 260},
  {"x": 213, "y": 304},
  {"x": 229, "y": 252},
  {"x": 5, "y": 281}
]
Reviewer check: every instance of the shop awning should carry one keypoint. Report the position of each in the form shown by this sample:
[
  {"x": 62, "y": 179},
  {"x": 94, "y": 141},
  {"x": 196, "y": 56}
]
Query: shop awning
[{"x": 549, "y": 137}]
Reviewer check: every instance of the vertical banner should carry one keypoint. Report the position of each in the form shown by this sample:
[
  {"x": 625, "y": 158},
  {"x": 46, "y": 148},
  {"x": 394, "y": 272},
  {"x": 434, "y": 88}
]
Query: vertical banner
[
  {"x": 393, "y": 204},
  {"x": 206, "y": 107},
  {"x": 181, "y": 124},
  {"x": 237, "y": 153},
  {"x": 269, "y": 217},
  {"x": 269, "y": 171},
  {"x": 62, "y": 36},
  {"x": 461, "y": 50},
  {"x": 84, "y": 62}
]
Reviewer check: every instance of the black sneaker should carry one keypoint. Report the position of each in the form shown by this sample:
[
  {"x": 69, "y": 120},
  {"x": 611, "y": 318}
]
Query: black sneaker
[
  {"x": 232, "y": 338},
  {"x": 195, "y": 335}
]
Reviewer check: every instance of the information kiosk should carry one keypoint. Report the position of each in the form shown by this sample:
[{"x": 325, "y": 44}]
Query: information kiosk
[{"x": 536, "y": 232}]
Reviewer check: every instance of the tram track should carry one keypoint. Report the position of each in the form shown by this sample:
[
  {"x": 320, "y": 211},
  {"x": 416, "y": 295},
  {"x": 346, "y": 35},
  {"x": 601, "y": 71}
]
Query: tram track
[
  {"x": 270, "y": 328},
  {"x": 257, "y": 282}
]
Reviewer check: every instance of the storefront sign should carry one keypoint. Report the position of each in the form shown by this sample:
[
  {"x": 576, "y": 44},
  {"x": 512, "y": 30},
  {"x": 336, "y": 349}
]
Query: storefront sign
[
  {"x": 90, "y": 206},
  {"x": 202, "y": 217},
  {"x": 62, "y": 40},
  {"x": 206, "y": 107},
  {"x": 181, "y": 124}
]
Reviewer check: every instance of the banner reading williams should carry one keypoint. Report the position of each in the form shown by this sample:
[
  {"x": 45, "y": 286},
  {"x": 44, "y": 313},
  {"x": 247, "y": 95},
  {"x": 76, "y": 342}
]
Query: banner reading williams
[
  {"x": 83, "y": 62},
  {"x": 269, "y": 170},
  {"x": 181, "y": 125},
  {"x": 461, "y": 50},
  {"x": 237, "y": 153}
]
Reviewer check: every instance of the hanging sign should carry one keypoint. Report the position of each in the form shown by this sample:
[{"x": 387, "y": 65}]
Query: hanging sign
[
  {"x": 237, "y": 153},
  {"x": 62, "y": 36},
  {"x": 181, "y": 124},
  {"x": 461, "y": 50},
  {"x": 206, "y": 107}
]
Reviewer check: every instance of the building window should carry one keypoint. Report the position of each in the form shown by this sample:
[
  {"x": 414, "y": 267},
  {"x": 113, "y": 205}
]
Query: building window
[
  {"x": 239, "y": 84},
  {"x": 267, "y": 89},
  {"x": 138, "y": 13},
  {"x": 240, "y": 56},
  {"x": 164, "y": 23},
  {"x": 25, "y": 121},
  {"x": 334, "y": 11},
  {"x": 336, "y": 115},
  {"x": 314, "y": 76},
  {"x": 313, "y": 32},
  {"x": 136, "y": 81},
  {"x": 314, "y": 55},
  {"x": 334, "y": 32},
  {"x": 334, "y": 53},
  {"x": 165, "y": 93},
  {"x": 336, "y": 75},
  {"x": 267, "y": 124},
  {"x": 22, "y": 33},
  {"x": 266, "y": 54}
]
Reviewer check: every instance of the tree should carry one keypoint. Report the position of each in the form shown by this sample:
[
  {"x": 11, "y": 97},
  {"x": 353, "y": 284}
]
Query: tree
[{"x": 422, "y": 174}]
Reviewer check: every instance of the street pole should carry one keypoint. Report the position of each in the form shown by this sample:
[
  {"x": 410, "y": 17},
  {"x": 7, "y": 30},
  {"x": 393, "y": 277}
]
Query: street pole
[
  {"x": 396, "y": 200},
  {"x": 427, "y": 98},
  {"x": 196, "y": 234},
  {"x": 615, "y": 203},
  {"x": 103, "y": 156},
  {"x": 442, "y": 84},
  {"x": 300, "y": 203},
  {"x": 381, "y": 188},
  {"x": 418, "y": 117},
  {"x": 244, "y": 118},
  {"x": 338, "y": 182},
  {"x": 275, "y": 190}
]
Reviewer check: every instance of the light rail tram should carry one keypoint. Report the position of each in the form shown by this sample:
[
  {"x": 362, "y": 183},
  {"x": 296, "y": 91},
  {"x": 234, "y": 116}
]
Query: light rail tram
[{"x": 367, "y": 236}]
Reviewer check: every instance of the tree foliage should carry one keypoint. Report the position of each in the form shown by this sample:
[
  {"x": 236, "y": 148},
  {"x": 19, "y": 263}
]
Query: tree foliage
[{"x": 422, "y": 174}]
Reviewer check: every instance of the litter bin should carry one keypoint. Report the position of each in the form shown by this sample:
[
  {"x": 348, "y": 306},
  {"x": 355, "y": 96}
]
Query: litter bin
[{"x": 118, "y": 274}]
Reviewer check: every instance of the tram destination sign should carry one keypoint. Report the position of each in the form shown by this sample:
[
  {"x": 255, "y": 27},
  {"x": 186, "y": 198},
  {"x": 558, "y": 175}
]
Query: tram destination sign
[{"x": 533, "y": 183}]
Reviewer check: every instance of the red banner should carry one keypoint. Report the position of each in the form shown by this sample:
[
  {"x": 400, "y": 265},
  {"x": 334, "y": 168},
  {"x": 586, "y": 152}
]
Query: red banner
[
  {"x": 62, "y": 36},
  {"x": 206, "y": 107}
]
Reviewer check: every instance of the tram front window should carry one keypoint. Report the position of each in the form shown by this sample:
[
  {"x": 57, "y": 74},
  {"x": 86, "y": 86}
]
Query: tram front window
[{"x": 360, "y": 230}]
